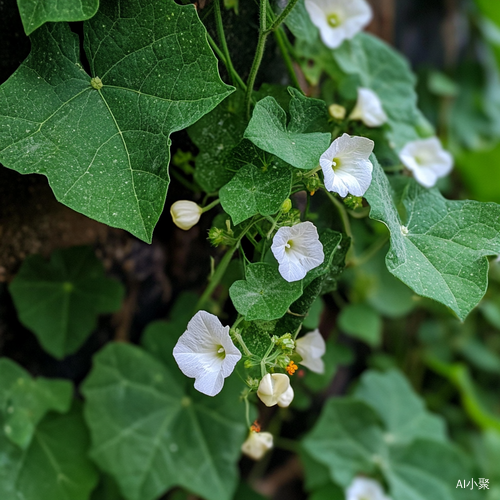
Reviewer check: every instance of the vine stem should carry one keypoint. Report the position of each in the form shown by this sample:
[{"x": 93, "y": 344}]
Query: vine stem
[
  {"x": 343, "y": 214},
  {"x": 283, "y": 15},
  {"x": 221, "y": 269},
  {"x": 222, "y": 39},
  {"x": 259, "y": 52},
  {"x": 278, "y": 34},
  {"x": 222, "y": 57}
]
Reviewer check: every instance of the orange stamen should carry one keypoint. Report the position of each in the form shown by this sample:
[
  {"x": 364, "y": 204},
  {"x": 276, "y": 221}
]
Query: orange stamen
[
  {"x": 255, "y": 427},
  {"x": 291, "y": 368}
]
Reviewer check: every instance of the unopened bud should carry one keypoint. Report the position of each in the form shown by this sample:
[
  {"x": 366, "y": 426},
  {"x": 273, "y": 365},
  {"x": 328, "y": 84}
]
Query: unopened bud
[
  {"x": 257, "y": 444},
  {"x": 286, "y": 206},
  {"x": 185, "y": 214},
  {"x": 313, "y": 183},
  {"x": 353, "y": 202},
  {"x": 337, "y": 111},
  {"x": 275, "y": 389}
]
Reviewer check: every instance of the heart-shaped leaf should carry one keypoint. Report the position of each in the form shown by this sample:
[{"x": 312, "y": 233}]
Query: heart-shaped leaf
[{"x": 103, "y": 139}]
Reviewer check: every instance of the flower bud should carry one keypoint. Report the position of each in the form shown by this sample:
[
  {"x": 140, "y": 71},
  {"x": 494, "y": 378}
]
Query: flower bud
[
  {"x": 337, "y": 111},
  {"x": 286, "y": 398},
  {"x": 185, "y": 214},
  {"x": 313, "y": 183},
  {"x": 353, "y": 202},
  {"x": 272, "y": 387},
  {"x": 256, "y": 444},
  {"x": 286, "y": 206}
]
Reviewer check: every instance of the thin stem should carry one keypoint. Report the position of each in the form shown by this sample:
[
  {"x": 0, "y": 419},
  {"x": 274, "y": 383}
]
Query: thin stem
[
  {"x": 221, "y": 56},
  {"x": 221, "y": 268},
  {"x": 259, "y": 52},
  {"x": 343, "y": 214},
  {"x": 222, "y": 40},
  {"x": 211, "y": 205},
  {"x": 247, "y": 411},
  {"x": 278, "y": 34},
  {"x": 216, "y": 277},
  {"x": 283, "y": 15}
]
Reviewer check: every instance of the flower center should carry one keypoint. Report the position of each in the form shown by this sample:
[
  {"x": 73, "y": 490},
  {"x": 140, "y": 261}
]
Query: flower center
[
  {"x": 333, "y": 20},
  {"x": 221, "y": 352},
  {"x": 288, "y": 245},
  {"x": 336, "y": 163}
]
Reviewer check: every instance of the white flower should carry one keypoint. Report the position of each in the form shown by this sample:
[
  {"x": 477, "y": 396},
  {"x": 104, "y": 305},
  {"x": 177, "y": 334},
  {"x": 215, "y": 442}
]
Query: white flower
[
  {"x": 274, "y": 388},
  {"x": 427, "y": 159},
  {"x": 312, "y": 347},
  {"x": 346, "y": 165},
  {"x": 185, "y": 214},
  {"x": 206, "y": 353},
  {"x": 256, "y": 444},
  {"x": 297, "y": 250},
  {"x": 363, "y": 488},
  {"x": 368, "y": 108},
  {"x": 338, "y": 20}
]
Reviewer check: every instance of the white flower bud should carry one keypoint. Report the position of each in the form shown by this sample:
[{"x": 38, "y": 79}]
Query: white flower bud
[
  {"x": 185, "y": 214},
  {"x": 257, "y": 444},
  {"x": 272, "y": 387},
  {"x": 286, "y": 398}
]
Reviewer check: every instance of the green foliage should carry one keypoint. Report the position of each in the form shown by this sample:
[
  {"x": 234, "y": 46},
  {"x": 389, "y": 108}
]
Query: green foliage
[
  {"x": 367, "y": 434},
  {"x": 150, "y": 432},
  {"x": 54, "y": 465},
  {"x": 300, "y": 24},
  {"x": 300, "y": 142},
  {"x": 216, "y": 134},
  {"x": 24, "y": 401},
  {"x": 264, "y": 294},
  {"x": 255, "y": 190},
  {"x": 60, "y": 300},
  {"x": 439, "y": 253},
  {"x": 102, "y": 139},
  {"x": 35, "y": 13},
  {"x": 380, "y": 68},
  {"x": 401, "y": 410},
  {"x": 361, "y": 321}
]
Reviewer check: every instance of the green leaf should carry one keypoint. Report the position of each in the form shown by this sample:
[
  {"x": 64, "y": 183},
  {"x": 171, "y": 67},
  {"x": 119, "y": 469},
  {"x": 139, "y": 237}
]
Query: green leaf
[
  {"x": 150, "y": 434},
  {"x": 349, "y": 441},
  {"x": 216, "y": 134},
  {"x": 103, "y": 139},
  {"x": 331, "y": 247},
  {"x": 299, "y": 23},
  {"x": 302, "y": 141},
  {"x": 34, "y": 13},
  {"x": 362, "y": 322},
  {"x": 254, "y": 190},
  {"x": 347, "y": 438},
  {"x": 297, "y": 312},
  {"x": 24, "y": 401},
  {"x": 401, "y": 410},
  {"x": 439, "y": 249},
  {"x": 429, "y": 466},
  {"x": 55, "y": 465},
  {"x": 264, "y": 294},
  {"x": 380, "y": 68},
  {"x": 60, "y": 300}
]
